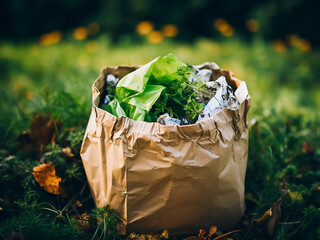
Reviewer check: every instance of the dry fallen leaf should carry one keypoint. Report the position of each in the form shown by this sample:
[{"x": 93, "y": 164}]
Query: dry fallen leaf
[
  {"x": 264, "y": 217},
  {"x": 272, "y": 215},
  {"x": 82, "y": 222},
  {"x": 199, "y": 237},
  {"x": 142, "y": 236},
  {"x": 45, "y": 175},
  {"x": 42, "y": 132},
  {"x": 67, "y": 152},
  {"x": 194, "y": 238},
  {"x": 307, "y": 148},
  {"x": 212, "y": 231},
  {"x": 165, "y": 234},
  {"x": 201, "y": 233}
]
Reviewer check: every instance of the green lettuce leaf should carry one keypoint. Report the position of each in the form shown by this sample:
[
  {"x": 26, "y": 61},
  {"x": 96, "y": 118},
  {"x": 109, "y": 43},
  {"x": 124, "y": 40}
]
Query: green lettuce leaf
[{"x": 139, "y": 90}]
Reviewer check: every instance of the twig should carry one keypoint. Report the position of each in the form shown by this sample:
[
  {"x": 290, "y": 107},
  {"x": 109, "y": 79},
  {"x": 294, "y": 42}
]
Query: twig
[
  {"x": 289, "y": 223},
  {"x": 82, "y": 189},
  {"x": 69, "y": 203},
  {"x": 74, "y": 197},
  {"x": 226, "y": 234}
]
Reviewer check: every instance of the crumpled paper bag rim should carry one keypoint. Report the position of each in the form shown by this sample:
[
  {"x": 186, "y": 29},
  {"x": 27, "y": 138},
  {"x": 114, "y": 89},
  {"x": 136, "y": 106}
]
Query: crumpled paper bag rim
[{"x": 239, "y": 86}]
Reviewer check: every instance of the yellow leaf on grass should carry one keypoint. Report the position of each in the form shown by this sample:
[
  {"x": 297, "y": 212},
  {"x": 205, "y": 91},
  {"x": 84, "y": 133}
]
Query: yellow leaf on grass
[
  {"x": 295, "y": 195},
  {"x": 45, "y": 175}
]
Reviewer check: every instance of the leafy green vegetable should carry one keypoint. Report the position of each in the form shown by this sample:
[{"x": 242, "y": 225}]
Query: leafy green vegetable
[
  {"x": 181, "y": 100},
  {"x": 137, "y": 92},
  {"x": 114, "y": 108},
  {"x": 161, "y": 86}
]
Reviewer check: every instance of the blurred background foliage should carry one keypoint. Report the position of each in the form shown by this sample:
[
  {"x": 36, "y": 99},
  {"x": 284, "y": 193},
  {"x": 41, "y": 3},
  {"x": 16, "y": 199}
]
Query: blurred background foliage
[
  {"x": 273, "y": 19},
  {"x": 51, "y": 51}
]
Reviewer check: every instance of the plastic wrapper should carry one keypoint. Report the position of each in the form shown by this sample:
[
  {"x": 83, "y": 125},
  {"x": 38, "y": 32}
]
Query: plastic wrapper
[{"x": 140, "y": 89}]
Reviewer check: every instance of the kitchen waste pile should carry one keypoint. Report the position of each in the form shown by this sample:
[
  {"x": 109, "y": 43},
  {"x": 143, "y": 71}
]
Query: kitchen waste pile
[{"x": 169, "y": 92}]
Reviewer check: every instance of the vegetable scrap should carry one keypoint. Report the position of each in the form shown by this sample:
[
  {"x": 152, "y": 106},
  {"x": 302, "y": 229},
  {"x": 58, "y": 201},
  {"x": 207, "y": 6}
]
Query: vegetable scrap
[{"x": 169, "y": 92}]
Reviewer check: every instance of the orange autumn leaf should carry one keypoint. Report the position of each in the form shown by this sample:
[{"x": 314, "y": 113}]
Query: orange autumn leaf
[{"x": 45, "y": 175}]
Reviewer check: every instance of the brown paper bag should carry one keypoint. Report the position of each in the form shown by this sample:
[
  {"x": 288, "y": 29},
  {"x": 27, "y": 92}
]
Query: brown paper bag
[{"x": 179, "y": 178}]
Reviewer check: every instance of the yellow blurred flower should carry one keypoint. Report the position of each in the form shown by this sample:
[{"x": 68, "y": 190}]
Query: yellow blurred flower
[
  {"x": 279, "y": 45},
  {"x": 252, "y": 25},
  {"x": 228, "y": 32},
  {"x": 50, "y": 38},
  {"x": 93, "y": 28},
  {"x": 29, "y": 95},
  {"x": 144, "y": 27},
  {"x": 293, "y": 40},
  {"x": 305, "y": 45},
  {"x": 223, "y": 27},
  {"x": 92, "y": 46},
  {"x": 170, "y": 30},
  {"x": 80, "y": 33},
  {"x": 221, "y": 24},
  {"x": 155, "y": 37}
]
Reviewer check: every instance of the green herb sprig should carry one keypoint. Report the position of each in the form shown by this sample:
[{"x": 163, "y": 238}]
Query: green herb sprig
[{"x": 181, "y": 99}]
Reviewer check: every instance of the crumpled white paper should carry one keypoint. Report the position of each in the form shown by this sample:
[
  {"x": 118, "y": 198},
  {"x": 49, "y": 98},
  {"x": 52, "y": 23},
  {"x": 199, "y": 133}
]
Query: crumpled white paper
[
  {"x": 202, "y": 74},
  {"x": 224, "y": 98},
  {"x": 165, "y": 119}
]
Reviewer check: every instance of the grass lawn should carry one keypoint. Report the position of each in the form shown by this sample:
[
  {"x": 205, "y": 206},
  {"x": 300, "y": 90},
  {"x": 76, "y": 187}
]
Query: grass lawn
[{"x": 284, "y": 141}]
